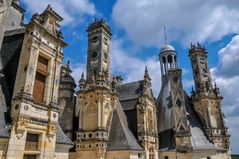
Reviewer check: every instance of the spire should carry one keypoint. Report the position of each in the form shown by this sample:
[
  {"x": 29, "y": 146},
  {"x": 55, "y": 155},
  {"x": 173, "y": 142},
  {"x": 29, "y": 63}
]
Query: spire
[
  {"x": 165, "y": 36},
  {"x": 147, "y": 83},
  {"x": 68, "y": 62},
  {"x": 82, "y": 81},
  {"x": 146, "y": 74},
  {"x": 216, "y": 89}
]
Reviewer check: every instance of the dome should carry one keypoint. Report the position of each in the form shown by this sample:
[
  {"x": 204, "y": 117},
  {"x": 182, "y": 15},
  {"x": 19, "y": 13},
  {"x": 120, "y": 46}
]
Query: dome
[
  {"x": 67, "y": 79},
  {"x": 167, "y": 48}
]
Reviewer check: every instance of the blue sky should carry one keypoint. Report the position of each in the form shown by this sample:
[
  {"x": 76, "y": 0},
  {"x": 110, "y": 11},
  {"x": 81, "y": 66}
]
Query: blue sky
[{"x": 137, "y": 27}]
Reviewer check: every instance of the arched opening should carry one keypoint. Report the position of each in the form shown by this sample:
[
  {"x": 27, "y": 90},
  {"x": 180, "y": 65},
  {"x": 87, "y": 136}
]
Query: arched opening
[
  {"x": 164, "y": 64},
  {"x": 175, "y": 61},
  {"x": 170, "y": 61}
]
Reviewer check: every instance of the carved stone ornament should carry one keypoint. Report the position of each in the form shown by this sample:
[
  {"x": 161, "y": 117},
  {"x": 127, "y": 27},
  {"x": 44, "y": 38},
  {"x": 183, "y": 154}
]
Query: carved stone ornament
[
  {"x": 20, "y": 128},
  {"x": 51, "y": 131}
]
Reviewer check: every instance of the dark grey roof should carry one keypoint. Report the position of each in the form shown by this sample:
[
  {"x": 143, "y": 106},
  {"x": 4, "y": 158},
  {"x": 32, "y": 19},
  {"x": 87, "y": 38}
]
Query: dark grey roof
[
  {"x": 130, "y": 90},
  {"x": 166, "y": 122},
  {"x": 61, "y": 137},
  {"x": 121, "y": 138},
  {"x": 165, "y": 108},
  {"x": 165, "y": 118},
  {"x": 129, "y": 104},
  {"x": 67, "y": 79},
  {"x": 9, "y": 58},
  {"x": 199, "y": 138},
  {"x": 15, "y": 32},
  {"x": 3, "y": 109}
]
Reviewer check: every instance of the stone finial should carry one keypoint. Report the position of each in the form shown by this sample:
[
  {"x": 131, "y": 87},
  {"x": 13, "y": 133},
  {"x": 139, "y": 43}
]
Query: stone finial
[
  {"x": 68, "y": 63},
  {"x": 82, "y": 81},
  {"x": 146, "y": 74},
  {"x": 147, "y": 83},
  {"x": 216, "y": 89}
]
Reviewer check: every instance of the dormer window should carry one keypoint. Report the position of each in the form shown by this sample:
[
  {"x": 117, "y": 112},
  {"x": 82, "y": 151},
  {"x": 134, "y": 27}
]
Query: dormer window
[{"x": 40, "y": 79}]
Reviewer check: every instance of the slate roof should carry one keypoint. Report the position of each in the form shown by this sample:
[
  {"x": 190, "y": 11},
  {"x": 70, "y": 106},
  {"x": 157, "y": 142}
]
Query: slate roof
[
  {"x": 67, "y": 79},
  {"x": 61, "y": 137},
  {"x": 129, "y": 97},
  {"x": 15, "y": 32},
  {"x": 129, "y": 94},
  {"x": 121, "y": 138},
  {"x": 3, "y": 108},
  {"x": 165, "y": 108},
  {"x": 130, "y": 90},
  {"x": 165, "y": 114},
  {"x": 199, "y": 138},
  {"x": 129, "y": 104}
]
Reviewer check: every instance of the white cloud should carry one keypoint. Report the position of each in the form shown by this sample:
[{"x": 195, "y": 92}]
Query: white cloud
[
  {"x": 186, "y": 21},
  {"x": 72, "y": 11},
  {"x": 133, "y": 67},
  {"x": 226, "y": 75},
  {"x": 229, "y": 59}
]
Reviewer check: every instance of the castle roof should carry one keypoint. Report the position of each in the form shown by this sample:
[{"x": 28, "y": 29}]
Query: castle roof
[
  {"x": 3, "y": 108},
  {"x": 61, "y": 137},
  {"x": 166, "y": 115},
  {"x": 167, "y": 48},
  {"x": 130, "y": 91},
  {"x": 121, "y": 138},
  {"x": 199, "y": 138},
  {"x": 67, "y": 78}
]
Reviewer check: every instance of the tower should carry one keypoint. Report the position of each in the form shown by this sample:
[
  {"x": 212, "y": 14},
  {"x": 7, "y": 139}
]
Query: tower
[
  {"x": 172, "y": 116},
  {"x": 97, "y": 95},
  {"x": 207, "y": 99},
  {"x": 67, "y": 101},
  {"x": 34, "y": 109},
  {"x": 98, "y": 59},
  {"x": 147, "y": 120}
]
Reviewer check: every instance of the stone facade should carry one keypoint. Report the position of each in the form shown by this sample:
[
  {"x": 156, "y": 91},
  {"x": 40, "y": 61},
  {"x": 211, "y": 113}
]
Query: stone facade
[
  {"x": 207, "y": 99},
  {"x": 31, "y": 112},
  {"x": 147, "y": 119},
  {"x": 41, "y": 114}
]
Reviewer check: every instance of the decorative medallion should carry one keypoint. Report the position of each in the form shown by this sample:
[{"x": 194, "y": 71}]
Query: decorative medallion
[{"x": 25, "y": 107}]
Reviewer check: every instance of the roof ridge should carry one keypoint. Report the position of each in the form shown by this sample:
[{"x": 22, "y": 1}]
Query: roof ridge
[{"x": 131, "y": 82}]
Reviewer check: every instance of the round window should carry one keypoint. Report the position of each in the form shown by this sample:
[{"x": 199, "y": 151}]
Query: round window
[{"x": 94, "y": 55}]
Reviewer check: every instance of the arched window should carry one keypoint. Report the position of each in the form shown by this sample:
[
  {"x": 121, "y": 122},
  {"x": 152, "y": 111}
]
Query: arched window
[
  {"x": 170, "y": 61},
  {"x": 175, "y": 61},
  {"x": 164, "y": 64}
]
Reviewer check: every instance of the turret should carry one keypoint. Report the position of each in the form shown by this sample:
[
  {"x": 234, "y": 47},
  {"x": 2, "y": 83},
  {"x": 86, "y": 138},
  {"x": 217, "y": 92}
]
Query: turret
[
  {"x": 201, "y": 72},
  {"x": 168, "y": 59},
  {"x": 66, "y": 100},
  {"x": 146, "y": 119},
  {"x": 97, "y": 94},
  {"x": 98, "y": 56},
  {"x": 207, "y": 100},
  {"x": 172, "y": 115}
]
